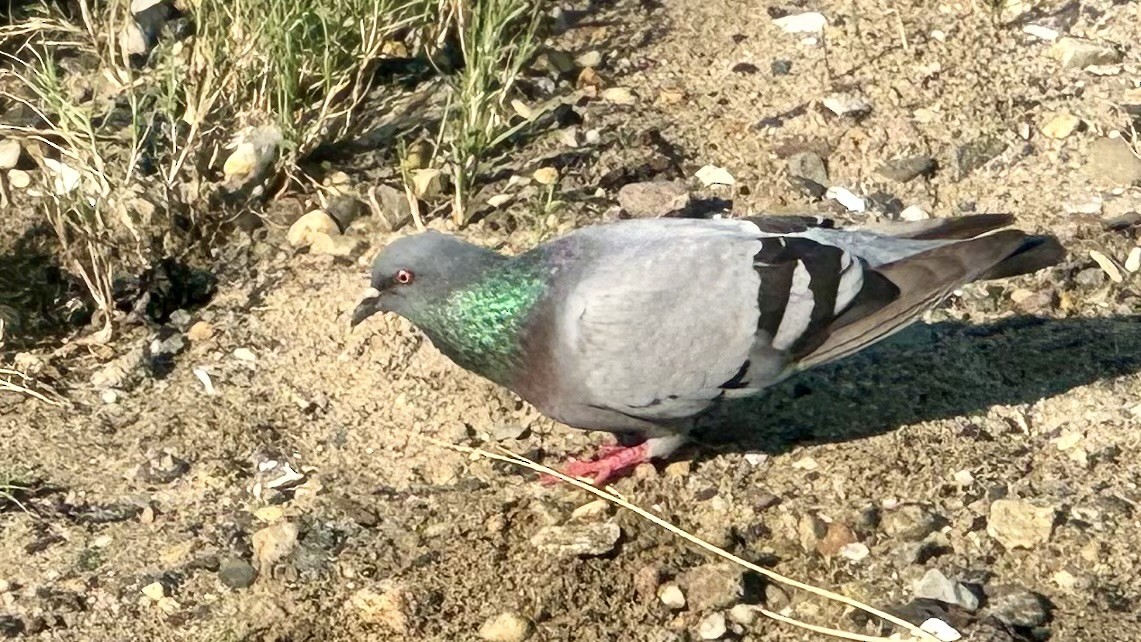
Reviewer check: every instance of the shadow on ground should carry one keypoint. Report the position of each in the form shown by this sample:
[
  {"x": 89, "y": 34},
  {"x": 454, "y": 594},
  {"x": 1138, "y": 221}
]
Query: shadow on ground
[{"x": 927, "y": 373}]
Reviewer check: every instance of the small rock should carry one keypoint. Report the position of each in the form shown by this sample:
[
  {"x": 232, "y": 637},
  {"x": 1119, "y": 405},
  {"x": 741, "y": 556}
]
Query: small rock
[
  {"x": 590, "y": 58},
  {"x": 200, "y": 331},
  {"x": 781, "y": 67},
  {"x": 713, "y": 586},
  {"x": 647, "y": 579},
  {"x": 427, "y": 183},
  {"x": 506, "y": 627},
  {"x": 1093, "y": 205},
  {"x": 236, "y": 573},
  {"x": 653, "y": 199},
  {"x": 346, "y": 209},
  {"x": 710, "y": 175},
  {"x": 1078, "y": 53},
  {"x": 1061, "y": 126},
  {"x": 810, "y": 530},
  {"x": 671, "y": 596},
  {"x": 65, "y": 178},
  {"x": 911, "y": 522},
  {"x": 847, "y": 103},
  {"x": 855, "y": 552},
  {"x": 1133, "y": 261},
  {"x": 914, "y": 213},
  {"x": 591, "y": 512},
  {"x": 835, "y": 539},
  {"x": 744, "y": 614},
  {"x": 846, "y": 198},
  {"x": 1113, "y": 160},
  {"x": 10, "y": 152},
  {"x": 808, "y": 22},
  {"x": 941, "y": 630},
  {"x": 546, "y": 176},
  {"x": 572, "y": 540},
  {"x": 975, "y": 154},
  {"x": 618, "y": 96},
  {"x": 394, "y": 608},
  {"x": 328, "y": 245},
  {"x": 1041, "y": 33},
  {"x": 809, "y": 166},
  {"x": 273, "y": 544},
  {"x": 936, "y": 586},
  {"x": 392, "y": 204},
  {"x": 907, "y": 168},
  {"x": 19, "y": 179},
  {"x": 155, "y": 591},
  {"x": 1019, "y": 524},
  {"x": 305, "y": 230},
  {"x": 1019, "y": 607},
  {"x": 1107, "y": 265},
  {"x": 712, "y": 627}
]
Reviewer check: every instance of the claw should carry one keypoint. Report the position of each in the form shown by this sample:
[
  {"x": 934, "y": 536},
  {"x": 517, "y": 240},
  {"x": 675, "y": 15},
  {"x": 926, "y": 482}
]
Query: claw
[{"x": 611, "y": 463}]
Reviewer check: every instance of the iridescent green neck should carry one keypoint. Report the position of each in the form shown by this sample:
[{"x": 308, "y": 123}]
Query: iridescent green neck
[{"x": 480, "y": 325}]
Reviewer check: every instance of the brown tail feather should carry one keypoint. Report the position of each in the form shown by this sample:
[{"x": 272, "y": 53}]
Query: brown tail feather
[
  {"x": 922, "y": 281},
  {"x": 960, "y": 227}
]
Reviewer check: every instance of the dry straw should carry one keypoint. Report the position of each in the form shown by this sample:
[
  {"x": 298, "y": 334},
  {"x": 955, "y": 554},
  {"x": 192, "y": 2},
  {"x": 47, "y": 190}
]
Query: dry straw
[{"x": 916, "y": 633}]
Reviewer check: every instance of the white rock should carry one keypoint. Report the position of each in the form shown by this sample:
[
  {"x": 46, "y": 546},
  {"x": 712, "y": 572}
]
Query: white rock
[
  {"x": 808, "y": 22},
  {"x": 506, "y": 627},
  {"x": 941, "y": 630},
  {"x": 66, "y": 178},
  {"x": 1041, "y": 33},
  {"x": 1019, "y": 524},
  {"x": 846, "y": 198},
  {"x": 854, "y": 552},
  {"x": 499, "y": 200},
  {"x": 245, "y": 354},
  {"x": 618, "y": 96},
  {"x": 914, "y": 213},
  {"x": 305, "y": 229},
  {"x": 744, "y": 614},
  {"x": 712, "y": 627},
  {"x": 19, "y": 179},
  {"x": 939, "y": 34},
  {"x": 591, "y": 58},
  {"x": 712, "y": 175},
  {"x": 9, "y": 153},
  {"x": 1133, "y": 263},
  {"x": 846, "y": 103},
  {"x": 671, "y": 596},
  {"x": 204, "y": 377},
  {"x": 155, "y": 591},
  {"x": 1061, "y": 126},
  {"x": 1107, "y": 265},
  {"x": 1093, "y": 206}
]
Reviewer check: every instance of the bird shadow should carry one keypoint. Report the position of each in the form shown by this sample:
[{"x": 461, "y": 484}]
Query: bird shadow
[{"x": 929, "y": 372}]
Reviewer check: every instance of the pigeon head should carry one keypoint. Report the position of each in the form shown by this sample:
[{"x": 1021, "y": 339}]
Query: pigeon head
[{"x": 415, "y": 271}]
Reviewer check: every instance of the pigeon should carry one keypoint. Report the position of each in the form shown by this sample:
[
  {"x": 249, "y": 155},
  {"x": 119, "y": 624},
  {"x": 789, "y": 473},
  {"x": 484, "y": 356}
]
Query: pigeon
[{"x": 639, "y": 327}]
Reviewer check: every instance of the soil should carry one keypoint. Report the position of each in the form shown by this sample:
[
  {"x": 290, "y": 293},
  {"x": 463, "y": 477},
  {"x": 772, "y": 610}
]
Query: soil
[{"x": 1025, "y": 388}]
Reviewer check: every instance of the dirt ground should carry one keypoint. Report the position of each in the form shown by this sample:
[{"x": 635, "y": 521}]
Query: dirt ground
[{"x": 1026, "y": 389}]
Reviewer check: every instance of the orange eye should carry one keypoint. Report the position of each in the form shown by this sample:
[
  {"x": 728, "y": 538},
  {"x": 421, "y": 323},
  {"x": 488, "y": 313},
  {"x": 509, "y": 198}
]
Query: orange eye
[{"x": 404, "y": 277}]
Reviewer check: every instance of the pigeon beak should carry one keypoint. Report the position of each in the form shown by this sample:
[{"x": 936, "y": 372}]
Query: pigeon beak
[{"x": 369, "y": 305}]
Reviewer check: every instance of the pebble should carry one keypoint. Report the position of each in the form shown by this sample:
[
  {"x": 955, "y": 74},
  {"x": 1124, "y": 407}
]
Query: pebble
[
  {"x": 9, "y": 153},
  {"x": 846, "y": 198},
  {"x": 647, "y": 579},
  {"x": 574, "y": 540},
  {"x": 1018, "y": 607},
  {"x": 653, "y": 199},
  {"x": 847, "y": 103},
  {"x": 809, "y": 166},
  {"x": 713, "y": 586},
  {"x": 618, "y": 96},
  {"x": 506, "y": 627},
  {"x": 744, "y": 614},
  {"x": 911, "y": 522},
  {"x": 427, "y": 183},
  {"x": 1061, "y": 126},
  {"x": 907, "y": 168},
  {"x": 155, "y": 591},
  {"x": 19, "y": 179},
  {"x": 236, "y": 573},
  {"x": 807, "y": 22},
  {"x": 1020, "y": 524},
  {"x": 835, "y": 539},
  {"x": 913, "y": 213},
  {"x": 200, "y": 331},
  {"x": 1041, "y": 33},
  {"x": 329, "y": 245},
  {"x": 1113, "y": 160},
  {"x": 855, "y": 552},
  {"x": 712, "y": 627},
  {"x": 1107, "y": 265},
  {"x": 591, "y": 512},
  {"x": 710, "y": 175},
  {"x": 591, "y": 58},
  {"x": 934, "y": 585},
  {"x": 941, "y": 630},
  {"x": 393, "y": 608},
  {"x": 273, "y": 544},
  {"x": 546, "y": 176},
  {"x": 65, "y": 177},
  {"x": 1133, "y": 262},
  {"x": 1079, "y": 53},
  {"x": 306, "y": 229},
  {"x": 671, "y": 595}
]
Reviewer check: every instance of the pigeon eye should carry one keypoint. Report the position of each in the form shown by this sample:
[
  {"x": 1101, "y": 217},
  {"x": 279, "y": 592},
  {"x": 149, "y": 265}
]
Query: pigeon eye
[{"x": 404, "y": 277}]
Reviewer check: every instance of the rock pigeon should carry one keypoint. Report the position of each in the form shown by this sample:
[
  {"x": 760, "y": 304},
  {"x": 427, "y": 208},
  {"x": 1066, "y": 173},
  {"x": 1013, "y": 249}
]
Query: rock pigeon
[{"x": 638, "y": 327}]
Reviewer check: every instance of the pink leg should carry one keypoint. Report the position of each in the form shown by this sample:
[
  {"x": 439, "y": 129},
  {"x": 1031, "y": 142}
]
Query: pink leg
[{"x": 611, "y": 463}]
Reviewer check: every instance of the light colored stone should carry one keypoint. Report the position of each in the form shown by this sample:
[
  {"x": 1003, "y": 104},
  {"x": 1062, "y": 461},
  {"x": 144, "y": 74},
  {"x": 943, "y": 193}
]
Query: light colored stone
[
  {"x": 807, "y": 22},
  {"x": 914, "y": 213},
  {"x": 712, "y": 627},
  {"x": 1041, "y": 33},
  {"x": 273, "y": 544},
  {"x": 546, "y": 176},
  {"x": 337, "y": 245},
  {"x": 618, "y": 96},
  {"x": 936, "y": 586},
  {"x": 9, "y": 153},
  {"x": 710, "y": 175},
  {"x": 427, "y": 183},
  {"x": 590, "y": 58},
  {"x": 941, "y": 630},
  {"x": 155, "y": 591},
  {"x": 1079, "y": 53},
  {"x": 671, "y": 595},
  {"x": 241, "y": 162},
  {"x": 1107, "y": 265},
  {"x": 305, "y": 230},
  {"x": 1019, "y": 524},
  {"x": 653, "y": 199},
  {"x": 744, "y": 614},
  {"x": 1133, "y": 262},
  {"x": 200, "y": 331},
  {"x": 19, "y": 179},
  {"x": 847, "y": 103},
  {"x": 1061, "y": 126},
  {"x": 506, "y": 627},
  {"x": 393, "y": 608},
  {"x": 574, "y": 540},
  {"x": 1113, "y": 160},
  {"x": 843, "y": 196}
]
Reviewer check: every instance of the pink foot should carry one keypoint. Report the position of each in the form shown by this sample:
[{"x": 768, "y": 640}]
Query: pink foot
[{"x": 611, "y": 463}]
